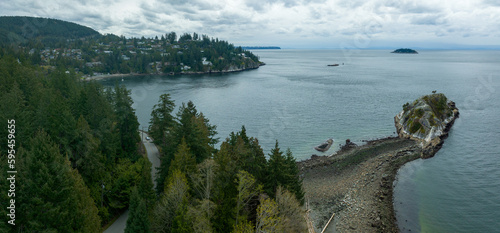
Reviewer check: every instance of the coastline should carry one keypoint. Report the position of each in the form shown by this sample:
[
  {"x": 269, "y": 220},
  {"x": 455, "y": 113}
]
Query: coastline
[
  {"x": 106, "y": 76},
  {"x": 356, "y": 184}
]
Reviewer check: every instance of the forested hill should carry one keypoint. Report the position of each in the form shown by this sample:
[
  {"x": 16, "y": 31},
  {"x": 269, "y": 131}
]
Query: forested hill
[
  {"x": 54, "y": 43},
  {"x": 20, "y": 29}
]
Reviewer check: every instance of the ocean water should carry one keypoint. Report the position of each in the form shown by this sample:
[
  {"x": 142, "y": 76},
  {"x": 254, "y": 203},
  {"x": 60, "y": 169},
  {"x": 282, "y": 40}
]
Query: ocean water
[{"x": 300, "y": 101}]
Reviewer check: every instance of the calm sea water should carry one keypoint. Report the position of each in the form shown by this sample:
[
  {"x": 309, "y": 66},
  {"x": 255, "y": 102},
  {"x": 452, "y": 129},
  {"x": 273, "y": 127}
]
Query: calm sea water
[{"x": 300, "y": 101}]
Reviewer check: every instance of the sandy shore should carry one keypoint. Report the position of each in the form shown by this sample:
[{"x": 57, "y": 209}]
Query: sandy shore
[{"x": 356, "y": 185}]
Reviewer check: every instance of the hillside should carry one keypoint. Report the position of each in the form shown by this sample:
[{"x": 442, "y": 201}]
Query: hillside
[
  {"x": 52, "y": 43},
  {"x": 20, "y": 29}
]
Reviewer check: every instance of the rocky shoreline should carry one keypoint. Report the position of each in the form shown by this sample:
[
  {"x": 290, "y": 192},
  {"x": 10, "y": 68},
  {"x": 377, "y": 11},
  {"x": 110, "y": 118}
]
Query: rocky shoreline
[
  {"x": 356, "y": 183},
  {"x": 231, "y": 70}
]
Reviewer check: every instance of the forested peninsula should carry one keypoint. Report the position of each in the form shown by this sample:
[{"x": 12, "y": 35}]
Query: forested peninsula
[{"x": 54, "y": 43}]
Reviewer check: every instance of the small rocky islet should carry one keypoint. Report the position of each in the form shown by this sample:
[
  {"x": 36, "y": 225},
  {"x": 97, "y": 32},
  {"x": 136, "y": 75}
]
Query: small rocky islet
[
  {"x": 356, "y": 183},
  {"x": 405, "y": 50}
]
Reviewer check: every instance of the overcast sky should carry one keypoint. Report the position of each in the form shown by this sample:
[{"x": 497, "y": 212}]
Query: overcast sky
[{"x": 286, "y": 23}]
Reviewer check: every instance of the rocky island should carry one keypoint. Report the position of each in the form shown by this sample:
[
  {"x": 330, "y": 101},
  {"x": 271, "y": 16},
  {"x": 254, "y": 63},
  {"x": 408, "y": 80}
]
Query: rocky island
[
  {"x": 405, "y": 50},
  {"x": 427, "y": 120},
  {"x": 355, "y": 184}
]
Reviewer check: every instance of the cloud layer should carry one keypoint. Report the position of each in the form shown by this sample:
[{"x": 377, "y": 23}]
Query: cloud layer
[{"x": 286, "y": 23}]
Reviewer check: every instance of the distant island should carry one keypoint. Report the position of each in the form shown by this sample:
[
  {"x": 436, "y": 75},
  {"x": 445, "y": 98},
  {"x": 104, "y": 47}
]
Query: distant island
[
  {"x": 261, "y": 47},
  {"x": 405, "y": 50}
]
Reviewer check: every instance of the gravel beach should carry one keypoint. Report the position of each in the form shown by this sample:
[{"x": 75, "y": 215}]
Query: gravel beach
[{"x": 356, "y": 184}]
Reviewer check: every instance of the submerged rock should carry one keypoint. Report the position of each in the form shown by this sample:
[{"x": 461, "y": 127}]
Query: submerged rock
[{"x": 427, "y": 120}]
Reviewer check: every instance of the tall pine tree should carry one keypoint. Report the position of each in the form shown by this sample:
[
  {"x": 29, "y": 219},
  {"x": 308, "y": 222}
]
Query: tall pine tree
[{"x": 52, "y": 196}]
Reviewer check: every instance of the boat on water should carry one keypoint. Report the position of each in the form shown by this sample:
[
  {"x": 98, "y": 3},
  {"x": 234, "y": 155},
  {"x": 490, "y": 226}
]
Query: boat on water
[
  {"x": 333, "y": 65},
  {"x": 324, "y": 146}
]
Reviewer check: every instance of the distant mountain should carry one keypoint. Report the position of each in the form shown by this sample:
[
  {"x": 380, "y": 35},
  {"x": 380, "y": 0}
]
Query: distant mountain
[
  {"x": 20, "y": 29},
  {"x": 260, "y": 47}
]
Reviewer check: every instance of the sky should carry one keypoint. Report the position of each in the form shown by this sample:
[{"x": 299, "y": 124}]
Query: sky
[{"x": 287, "y": 23}]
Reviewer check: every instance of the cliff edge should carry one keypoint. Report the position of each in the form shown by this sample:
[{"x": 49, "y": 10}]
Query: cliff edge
[{"x": 428, "y": 121}]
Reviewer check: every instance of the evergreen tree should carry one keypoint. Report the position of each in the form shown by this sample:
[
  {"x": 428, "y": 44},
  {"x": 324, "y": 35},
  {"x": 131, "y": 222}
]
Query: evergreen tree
[
  {"x": 88, "y": 159},
  {"x": 183, "y": 160},
  {"x": 138, "y": 221},
  {"x": 283, "y": 171},
  {"x": 162, "y": 122},
  {"x": 51, "y": 187},
  {"x": 197, "y": 131},
  {"x": 127, "y": 122},
  {"x": 13, "y": 106},
  {"x": 225, "y": 191},
  {"x": 294, "y": 182},
  {"x": 145, "y": 185},
  {"x": 198, "y": 134}
]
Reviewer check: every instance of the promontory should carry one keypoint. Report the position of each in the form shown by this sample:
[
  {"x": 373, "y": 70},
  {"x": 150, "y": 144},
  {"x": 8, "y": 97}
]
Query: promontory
[{"x": 354, "y": 186}]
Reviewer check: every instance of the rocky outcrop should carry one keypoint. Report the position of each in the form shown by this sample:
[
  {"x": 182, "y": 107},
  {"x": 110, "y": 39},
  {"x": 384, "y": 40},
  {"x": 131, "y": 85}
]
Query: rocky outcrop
[{"x": 428, "y": 121}]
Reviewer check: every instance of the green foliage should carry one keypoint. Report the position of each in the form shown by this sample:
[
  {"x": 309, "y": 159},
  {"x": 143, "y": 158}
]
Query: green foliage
[
  {"x": 283, "y": 171},
  {"x": 20, "y": 29},
  {"x": 268, "y": 219},
  {"x": 55, "y": 43},
  {"x": 183, "y": 160},
  {"x": 198, "y": 134},
  {"x": 83, "y": 123},
  {"x": 162, "y": 120},
  {"x": 145, "y": 184},
  {"x": 51, "y": 187},
  {"x": 125, "y": 177},
  {"x": 171, "y": 203},
  {"x": 415, "y": 127},
  {"x": 439, "y": 105},
  {"x": 290, "y": 211},
  {"x": 138, "y": 221},
  {"x": 404, "y": 50},
  {"x": 127, "y": 122},
  {"x": 247, "y": 189},
  {"x": 244, "y": 226}
]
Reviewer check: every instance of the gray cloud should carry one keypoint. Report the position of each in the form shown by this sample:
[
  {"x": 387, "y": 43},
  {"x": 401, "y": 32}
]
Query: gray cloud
[
  {"x": 277, "y": 21},
  {"x": 429, "y": 19}
]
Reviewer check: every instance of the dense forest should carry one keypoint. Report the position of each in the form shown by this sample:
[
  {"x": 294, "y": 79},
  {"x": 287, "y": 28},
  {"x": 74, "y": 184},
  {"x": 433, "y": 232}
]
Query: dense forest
[
  {"x": 87, "y": 53},
  {"x": 80, "y": 163},
  {"x": 21, "y": 29},
  {"x": 232, "y": 189},
  {"x": 77, "y": 149}
]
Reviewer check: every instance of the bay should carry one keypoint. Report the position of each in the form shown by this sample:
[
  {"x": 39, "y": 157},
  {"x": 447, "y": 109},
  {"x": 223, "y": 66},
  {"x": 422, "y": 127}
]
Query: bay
[{"x": 300, "y": 101}]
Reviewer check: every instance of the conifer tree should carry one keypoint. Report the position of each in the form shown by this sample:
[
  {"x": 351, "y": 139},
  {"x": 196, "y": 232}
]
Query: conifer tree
[
  {"x": 50, "y": 186},
  {"x": 127, "y": 122},
  {"x": 183, "y": 160},
  {"x": 162, "y": 122},
  {"x": 138, "y": 221},
  {"x": 283, "y": 170}
]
